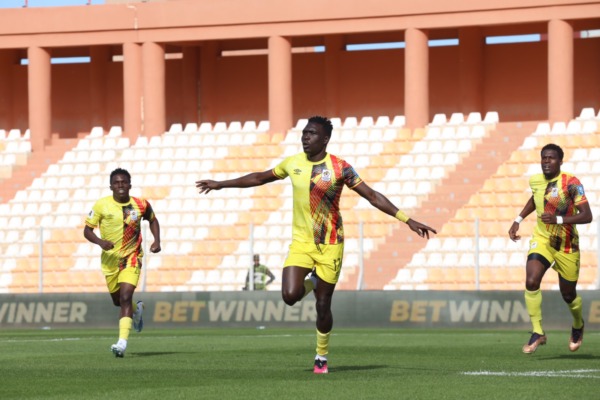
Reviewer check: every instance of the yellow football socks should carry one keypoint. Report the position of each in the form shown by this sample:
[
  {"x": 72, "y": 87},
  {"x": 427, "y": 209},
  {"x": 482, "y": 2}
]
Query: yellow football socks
[
  {"x": 576, "y": 311},
  {"x": 322, "y": 343},
  {"x": 533, "y": 302},
  {"x": 125, "y": 325}
]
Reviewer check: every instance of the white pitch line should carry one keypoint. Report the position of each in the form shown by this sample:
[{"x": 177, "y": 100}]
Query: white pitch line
[
  {"x": 573, "y": 373},
  {"x": 40, "y": 340}
]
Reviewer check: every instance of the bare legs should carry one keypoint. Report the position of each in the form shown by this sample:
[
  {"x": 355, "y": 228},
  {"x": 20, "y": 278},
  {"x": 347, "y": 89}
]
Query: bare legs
[
  {"x": 123, "y": 298},
  {"x": 292, "y": 291}
]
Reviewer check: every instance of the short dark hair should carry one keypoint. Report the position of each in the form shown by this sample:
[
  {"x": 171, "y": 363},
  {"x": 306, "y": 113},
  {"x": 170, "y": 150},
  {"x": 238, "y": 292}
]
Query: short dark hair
[
  {"x": 324, "y": 122},
  {"x": 120, "y": 171},
  {"x": 556, "y": 148}
]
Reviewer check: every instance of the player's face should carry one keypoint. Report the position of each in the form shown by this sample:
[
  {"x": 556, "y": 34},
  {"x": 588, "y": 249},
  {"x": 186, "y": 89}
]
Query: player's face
[
  {"x": 314, "y": 139},
  {"x": 120, "y": 186},
  {"x": 550, "y": 164}
]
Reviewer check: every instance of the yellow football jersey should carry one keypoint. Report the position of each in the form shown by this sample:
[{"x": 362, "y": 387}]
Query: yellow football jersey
[
  {"x": 317, "y": 188},
  {"x": 559, "y": 196},
  {"x": 120, "y": 223}
]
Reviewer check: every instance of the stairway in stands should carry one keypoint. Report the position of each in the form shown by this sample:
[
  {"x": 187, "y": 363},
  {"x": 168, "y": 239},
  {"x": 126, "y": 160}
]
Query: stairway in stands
[
  {"x": 38, "y": 162},
  {"x": 440, "y": 207}
]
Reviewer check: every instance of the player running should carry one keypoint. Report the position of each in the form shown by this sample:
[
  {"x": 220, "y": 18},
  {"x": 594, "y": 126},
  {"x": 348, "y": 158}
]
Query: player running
[
  {"x": 120, "y": 219},
  {"x": 560, "y": 203}
]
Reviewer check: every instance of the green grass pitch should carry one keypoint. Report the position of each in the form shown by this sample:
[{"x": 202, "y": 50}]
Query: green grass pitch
[{"x": 277, "y": 364}]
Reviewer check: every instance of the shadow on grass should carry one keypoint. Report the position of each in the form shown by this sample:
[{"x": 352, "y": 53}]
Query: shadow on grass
[
  {"x": 572, "y": 357},
  {"x": 347, "y": 368},
  {"x": 158, "y": 353}
]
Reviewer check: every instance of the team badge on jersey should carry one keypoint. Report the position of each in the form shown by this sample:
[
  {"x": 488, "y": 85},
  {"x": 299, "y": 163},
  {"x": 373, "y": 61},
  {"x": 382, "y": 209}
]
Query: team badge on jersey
[
  {"x": 554, "y": 192},
  {"x": 326, "y": 175},
  {"x": 133, "y": 215}
]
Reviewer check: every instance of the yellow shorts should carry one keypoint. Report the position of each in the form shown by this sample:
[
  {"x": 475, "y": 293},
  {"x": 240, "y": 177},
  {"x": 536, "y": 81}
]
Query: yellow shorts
[
  {"x": 566, "y": 264},
  {"x": 129, "y": 275},
  {"x": 326, "y": 259}
]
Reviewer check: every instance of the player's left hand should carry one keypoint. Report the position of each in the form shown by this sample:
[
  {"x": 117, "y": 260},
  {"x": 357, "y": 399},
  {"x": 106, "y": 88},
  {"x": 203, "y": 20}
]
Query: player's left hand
[
  {"x": 419, "y": 228},
  {"x": 155, "y": 248},
  {"x": 548, "y": 218}
]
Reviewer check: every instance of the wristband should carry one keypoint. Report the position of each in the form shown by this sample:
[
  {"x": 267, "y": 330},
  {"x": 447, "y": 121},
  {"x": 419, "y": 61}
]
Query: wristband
[
  {"x": 401, "y": 216},
  {"x": 559, "y": 220},
  {"x": 519, "y": 219}
]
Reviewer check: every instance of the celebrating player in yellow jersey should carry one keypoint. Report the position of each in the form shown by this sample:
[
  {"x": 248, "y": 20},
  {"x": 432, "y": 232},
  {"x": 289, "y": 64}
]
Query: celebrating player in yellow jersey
[
  {"x": 120, "y": 219},
  {"x": 317, "y": 233},
  {"x": 559, "y": 200}
]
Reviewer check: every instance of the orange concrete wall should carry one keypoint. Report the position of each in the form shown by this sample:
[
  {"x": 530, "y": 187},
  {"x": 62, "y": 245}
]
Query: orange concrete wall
[
  {"x": 19, "y": 97},
  {"x": 371, "y": 83},
  {"x": 516, "y": 80},
  {"x": 513, "y": 79},
  {"x": 444, "y": 81},
  {"x": 243, "y": 88},
  {"x": 587, "y": 73}
]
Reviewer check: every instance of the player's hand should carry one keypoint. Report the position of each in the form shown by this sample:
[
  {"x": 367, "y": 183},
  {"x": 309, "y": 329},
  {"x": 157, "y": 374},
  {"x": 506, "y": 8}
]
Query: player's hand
[
  {"x": 106, "y": 245},
  {"x": 548, "y": 218},
  {"x": 206, "y": 185},
  {"x": 155, "y": 248},
  {"x": 419, "y": 228},
  {"x": 512, "y": 232}
]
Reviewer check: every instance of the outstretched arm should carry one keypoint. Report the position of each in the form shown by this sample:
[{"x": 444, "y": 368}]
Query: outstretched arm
[
  {"x": 246, "y": 181},
  {"x": 382, "y": 203},
  {"x": 514, "y": 228}
]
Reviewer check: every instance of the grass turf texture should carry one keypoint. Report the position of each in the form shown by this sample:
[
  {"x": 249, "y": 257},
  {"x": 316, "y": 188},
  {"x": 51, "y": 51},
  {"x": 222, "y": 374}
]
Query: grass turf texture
[{"x": 277, "y": 364}]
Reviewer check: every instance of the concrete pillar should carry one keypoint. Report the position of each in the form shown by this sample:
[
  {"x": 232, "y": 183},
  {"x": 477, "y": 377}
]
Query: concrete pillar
[
  {"x": 560, "y": 71},
  {"x": 280, "y": 84},
  {"x": 416, "y": 86},
  {"x": 39, "y": 94},
  {"x": 334, "y": 45},
  {"x": 99, "y": 66},
  {"x": 154, "y": 103},
  {"x": 190, "y": 85},
  {"x": 132, "y": 91},
  {"x": 209, "y": 54},
  {"x": 471, "y": 69}
]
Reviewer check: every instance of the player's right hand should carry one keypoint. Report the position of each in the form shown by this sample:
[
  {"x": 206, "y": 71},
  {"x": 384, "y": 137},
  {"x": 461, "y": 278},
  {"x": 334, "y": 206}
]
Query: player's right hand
[
  {"x": 206, "y": 185},
  {"x": 106, "y": 245},
  {"x": 512, "y": 232}
]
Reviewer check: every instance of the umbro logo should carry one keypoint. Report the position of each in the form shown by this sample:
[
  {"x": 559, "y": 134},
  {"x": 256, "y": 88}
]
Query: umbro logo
[{"x": 297, "y": 171}]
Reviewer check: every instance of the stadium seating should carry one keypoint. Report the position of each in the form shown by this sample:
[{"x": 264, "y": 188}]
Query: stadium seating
[
  {"x": 501, "y": 196},
  {"x": 14, "y": 149},
  {"x": 208, "y": 240}
]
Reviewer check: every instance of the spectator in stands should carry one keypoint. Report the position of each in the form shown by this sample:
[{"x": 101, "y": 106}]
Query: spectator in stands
[
  {"x": 120, "y": 220},
  {"x": 318, "y": 235},
  {"x": 261, "y": 274},
  {"x": 560, "y": 202}
]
